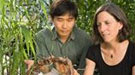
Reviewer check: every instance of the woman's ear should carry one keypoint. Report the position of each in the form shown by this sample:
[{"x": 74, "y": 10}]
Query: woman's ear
[{"x": 120, "y": 25}]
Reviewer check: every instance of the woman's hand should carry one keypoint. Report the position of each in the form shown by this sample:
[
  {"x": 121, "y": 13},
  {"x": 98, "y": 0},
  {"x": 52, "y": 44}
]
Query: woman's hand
[{"x": 75, "y": 72}]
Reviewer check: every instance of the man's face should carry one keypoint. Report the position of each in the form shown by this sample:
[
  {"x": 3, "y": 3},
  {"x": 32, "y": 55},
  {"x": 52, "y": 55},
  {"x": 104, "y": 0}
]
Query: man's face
[{"x": 64, "y": 24}]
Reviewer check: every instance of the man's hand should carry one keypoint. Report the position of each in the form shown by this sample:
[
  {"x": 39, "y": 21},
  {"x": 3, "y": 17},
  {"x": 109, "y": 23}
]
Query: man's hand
[{"x": 29, "y": 63}]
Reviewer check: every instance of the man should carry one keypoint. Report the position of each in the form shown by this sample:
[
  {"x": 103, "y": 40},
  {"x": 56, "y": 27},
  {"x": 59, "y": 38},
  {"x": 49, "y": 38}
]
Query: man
[{"x": 65, "y": 39}]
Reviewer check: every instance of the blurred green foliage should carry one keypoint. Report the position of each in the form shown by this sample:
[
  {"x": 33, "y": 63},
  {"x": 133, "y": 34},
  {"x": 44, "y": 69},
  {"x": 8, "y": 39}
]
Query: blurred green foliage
[{"x": 21, "y": 19}]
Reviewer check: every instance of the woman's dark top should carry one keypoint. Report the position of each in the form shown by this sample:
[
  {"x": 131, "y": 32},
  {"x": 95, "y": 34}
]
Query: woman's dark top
[{"x": 124, "y": 67}]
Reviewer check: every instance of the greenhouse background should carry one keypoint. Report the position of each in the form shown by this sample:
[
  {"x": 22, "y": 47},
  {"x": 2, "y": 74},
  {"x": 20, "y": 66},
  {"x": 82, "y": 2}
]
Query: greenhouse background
[{"x": 21, "y": 19}]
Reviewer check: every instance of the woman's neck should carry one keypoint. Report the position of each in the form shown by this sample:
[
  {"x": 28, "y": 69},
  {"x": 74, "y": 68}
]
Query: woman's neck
[{"x": 113, "y": 45}]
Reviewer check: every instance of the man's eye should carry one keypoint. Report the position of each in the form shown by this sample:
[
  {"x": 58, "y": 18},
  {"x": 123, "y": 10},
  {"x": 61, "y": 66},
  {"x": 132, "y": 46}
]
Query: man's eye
[
  {"x": 60, "y": 19},
  {"x": 69, "y": 20}
]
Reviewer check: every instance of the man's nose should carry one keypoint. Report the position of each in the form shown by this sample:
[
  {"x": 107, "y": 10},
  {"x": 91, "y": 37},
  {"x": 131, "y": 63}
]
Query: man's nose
[{"x": 64, "y": 24}]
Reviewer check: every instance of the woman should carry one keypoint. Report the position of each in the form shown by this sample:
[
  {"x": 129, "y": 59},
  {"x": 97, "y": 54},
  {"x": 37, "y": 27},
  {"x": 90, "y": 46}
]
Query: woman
[{"x": 115, "y": 54}]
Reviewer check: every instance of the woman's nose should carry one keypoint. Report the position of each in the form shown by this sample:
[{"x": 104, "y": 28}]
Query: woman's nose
[{"x": 102, "y": 27}]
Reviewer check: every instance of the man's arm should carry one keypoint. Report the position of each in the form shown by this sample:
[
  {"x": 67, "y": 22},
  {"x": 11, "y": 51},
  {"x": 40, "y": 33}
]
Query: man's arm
[
  {"x": 41, "y": 46},
  {"x": 82, "y": 63}
]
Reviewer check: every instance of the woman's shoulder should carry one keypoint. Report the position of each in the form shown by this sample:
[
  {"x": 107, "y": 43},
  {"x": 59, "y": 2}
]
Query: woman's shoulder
[
  {"x": 131, "y": 48},
  {"x": 131, "y": 51},
  {"x": 93, "y": 52},
  {"x": 95, "y": 48},
  {"x": 132, "y": 45}
]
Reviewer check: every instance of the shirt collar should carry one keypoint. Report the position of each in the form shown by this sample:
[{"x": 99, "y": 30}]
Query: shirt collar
[{"x": 55, "y": 35}]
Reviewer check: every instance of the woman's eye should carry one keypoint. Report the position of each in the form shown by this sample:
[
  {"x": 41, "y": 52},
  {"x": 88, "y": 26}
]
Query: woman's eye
[
  {"x": 107, "y": 23},
  {"x": 98, "y": 24}
]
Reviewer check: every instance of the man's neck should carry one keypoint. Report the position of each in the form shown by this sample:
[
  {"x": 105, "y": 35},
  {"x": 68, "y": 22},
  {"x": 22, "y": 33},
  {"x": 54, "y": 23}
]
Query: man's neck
[{"x": 63, "y": 39}]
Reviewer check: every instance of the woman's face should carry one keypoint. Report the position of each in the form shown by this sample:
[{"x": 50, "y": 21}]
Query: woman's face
[{"x": 108, "y": 26}]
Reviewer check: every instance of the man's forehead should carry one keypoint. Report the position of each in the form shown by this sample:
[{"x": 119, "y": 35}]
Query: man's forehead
[{"x": 64, "y": 16}]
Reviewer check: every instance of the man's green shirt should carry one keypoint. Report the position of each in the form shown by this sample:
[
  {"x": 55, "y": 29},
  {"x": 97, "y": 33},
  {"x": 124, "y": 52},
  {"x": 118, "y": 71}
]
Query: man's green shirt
[{"x": 75, "y": 48}]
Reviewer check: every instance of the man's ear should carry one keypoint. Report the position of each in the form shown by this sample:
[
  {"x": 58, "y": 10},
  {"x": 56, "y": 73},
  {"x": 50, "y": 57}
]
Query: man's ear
[{"x": 50, "y": 19}]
